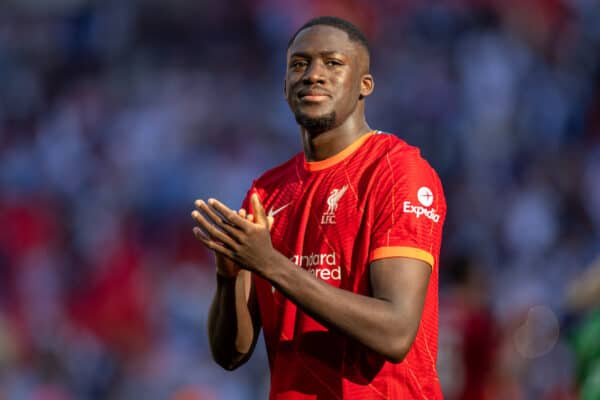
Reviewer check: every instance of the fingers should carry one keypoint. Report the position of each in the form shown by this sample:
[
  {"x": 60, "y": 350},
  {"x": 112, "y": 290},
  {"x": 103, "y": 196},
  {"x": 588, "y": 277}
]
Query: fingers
[
  {"x": 219, "y": 223},
  {"x": 211, "y": 244},
  {"x": 259, "y": 211},
  {"x": 211, "y": 232},
  {"x": 217, "y": 219},
  {"x": 229, "y": 216},
  {"x": 270, "y": 219}
]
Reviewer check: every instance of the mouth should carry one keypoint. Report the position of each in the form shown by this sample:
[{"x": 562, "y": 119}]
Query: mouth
[{"x": 313, "y": 96}]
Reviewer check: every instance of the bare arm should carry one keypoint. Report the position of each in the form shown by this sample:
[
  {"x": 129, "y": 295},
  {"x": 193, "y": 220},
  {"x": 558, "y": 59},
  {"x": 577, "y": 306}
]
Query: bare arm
[
  {"x": 233, "y": 319},
  {"x": 387, "y": 322}
]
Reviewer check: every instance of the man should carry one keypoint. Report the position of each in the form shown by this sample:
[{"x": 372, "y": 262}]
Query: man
[{"x": 342, "y": 272}]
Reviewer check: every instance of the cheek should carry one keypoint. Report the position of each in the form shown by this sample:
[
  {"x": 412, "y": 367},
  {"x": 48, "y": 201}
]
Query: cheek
[
  {"x": 351, "y": 90},
  {"x": 350, "y": 83}
]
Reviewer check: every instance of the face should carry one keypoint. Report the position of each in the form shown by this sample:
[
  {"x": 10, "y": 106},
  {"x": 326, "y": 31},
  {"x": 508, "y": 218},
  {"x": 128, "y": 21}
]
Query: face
[{"x": 327, "y": 75}]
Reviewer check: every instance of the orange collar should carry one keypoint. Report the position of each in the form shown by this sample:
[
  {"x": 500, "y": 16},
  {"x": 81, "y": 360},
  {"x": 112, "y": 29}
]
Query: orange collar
[{"x": 331, "y": 161}]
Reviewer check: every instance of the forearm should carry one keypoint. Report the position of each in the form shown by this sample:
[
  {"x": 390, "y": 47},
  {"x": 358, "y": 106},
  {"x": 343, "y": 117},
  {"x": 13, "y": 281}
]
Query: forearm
[
  {"x": 387, "y": 322},
  {"x": 231, "y": 329},
  {"x": 379, "y": 324}
]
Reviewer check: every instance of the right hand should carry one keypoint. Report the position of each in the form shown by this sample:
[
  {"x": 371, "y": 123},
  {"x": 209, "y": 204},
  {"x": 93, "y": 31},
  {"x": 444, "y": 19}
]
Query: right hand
[{"x": 226, "y": 267}]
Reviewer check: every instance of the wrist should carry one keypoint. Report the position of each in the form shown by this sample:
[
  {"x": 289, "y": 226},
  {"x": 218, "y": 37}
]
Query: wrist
[
  {"x": 226, "y": 277},
  {"x": 272, "y": 265}
]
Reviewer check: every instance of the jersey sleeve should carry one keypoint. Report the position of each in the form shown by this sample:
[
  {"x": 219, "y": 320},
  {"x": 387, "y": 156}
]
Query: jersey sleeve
[{"x": 409, "y": 209}]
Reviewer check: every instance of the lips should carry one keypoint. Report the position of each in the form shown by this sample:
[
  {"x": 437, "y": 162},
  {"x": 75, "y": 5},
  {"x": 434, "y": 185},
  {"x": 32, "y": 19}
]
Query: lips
[{"x": 312, "y": 95}]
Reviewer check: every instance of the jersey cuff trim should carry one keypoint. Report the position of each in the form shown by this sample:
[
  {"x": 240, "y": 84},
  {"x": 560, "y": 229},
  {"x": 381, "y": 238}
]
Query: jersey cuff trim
[
  {"x": 402, "y": 251},
  {"x": 331, "y": 161}
]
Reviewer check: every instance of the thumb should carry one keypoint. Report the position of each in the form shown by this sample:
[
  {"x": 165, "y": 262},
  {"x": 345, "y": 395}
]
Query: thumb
[
  {"x": 259, "y": 211},
  {"x": 270, "y": 219}
]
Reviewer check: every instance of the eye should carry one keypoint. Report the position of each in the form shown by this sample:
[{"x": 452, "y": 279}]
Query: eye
[
  {"x": 333, "y": 63},
  {"x": 298, "y": 64}
]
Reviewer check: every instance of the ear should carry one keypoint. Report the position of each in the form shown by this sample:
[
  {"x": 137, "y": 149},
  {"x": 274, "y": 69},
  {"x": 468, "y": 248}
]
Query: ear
[
  {"x": 285, "y": 88},
  {"x": 367, "y": 85}
]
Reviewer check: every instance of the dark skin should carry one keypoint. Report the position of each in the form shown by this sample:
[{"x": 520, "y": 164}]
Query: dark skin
[
  {"x": 326, "y": 72},
  {"x": 322, "y": 60}
]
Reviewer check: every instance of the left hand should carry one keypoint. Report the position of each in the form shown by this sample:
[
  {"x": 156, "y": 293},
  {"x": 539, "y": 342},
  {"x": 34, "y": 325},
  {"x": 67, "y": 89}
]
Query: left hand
[{"x": 245, "y": 240}]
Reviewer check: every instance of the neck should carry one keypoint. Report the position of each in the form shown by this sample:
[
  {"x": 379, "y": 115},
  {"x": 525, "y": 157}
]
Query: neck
[{"x": 329, "y": 143}]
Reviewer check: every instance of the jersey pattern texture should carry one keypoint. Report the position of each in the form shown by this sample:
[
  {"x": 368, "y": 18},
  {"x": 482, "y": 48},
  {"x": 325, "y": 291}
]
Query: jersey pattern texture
[{"x": 378, "y": 198}]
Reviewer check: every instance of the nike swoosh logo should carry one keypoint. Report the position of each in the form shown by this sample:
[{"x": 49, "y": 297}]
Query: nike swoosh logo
[{"x": 272, "y": 212}]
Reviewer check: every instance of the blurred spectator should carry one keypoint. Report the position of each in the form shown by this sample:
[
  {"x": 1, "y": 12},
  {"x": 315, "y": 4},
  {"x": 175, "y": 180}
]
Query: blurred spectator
[
  {"x": 469, "y": 346},
  {"x": 583, "y": 299}
]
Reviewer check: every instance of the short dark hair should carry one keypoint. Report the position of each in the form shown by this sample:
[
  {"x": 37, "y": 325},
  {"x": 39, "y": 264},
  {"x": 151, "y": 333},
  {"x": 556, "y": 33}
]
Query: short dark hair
[{"x": 354, "y": 34}]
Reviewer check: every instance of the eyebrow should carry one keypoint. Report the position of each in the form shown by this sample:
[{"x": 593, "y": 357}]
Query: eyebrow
[{"x": 322, "y": 53}]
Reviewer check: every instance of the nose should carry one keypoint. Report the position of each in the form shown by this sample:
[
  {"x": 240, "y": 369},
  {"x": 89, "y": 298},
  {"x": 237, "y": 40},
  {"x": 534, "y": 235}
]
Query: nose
[{"x": 314, "y": 74}]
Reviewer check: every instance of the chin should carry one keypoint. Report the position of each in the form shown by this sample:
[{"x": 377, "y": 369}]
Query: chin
[{"x": 316, "y": 123}]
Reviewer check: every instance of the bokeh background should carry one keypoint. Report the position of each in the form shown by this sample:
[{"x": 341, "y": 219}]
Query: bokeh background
[{"x": 116, "y": 115}]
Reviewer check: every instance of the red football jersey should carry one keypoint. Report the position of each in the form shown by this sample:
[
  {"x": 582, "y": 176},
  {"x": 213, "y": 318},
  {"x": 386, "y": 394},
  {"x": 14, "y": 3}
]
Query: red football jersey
[{"x": 375, "y": 199}]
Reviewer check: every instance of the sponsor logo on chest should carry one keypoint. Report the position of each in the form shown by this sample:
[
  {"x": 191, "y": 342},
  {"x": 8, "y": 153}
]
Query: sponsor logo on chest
[{"x": 322, "y": 265}]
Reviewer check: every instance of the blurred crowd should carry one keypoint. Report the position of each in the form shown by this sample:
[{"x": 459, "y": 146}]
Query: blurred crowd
[{"x": 116, "y": 115}]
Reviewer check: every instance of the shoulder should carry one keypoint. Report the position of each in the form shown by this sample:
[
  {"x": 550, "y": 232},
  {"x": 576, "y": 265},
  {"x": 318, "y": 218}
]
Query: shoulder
[
  {"x": 403, "y": 174},
  {"x": 397, "y": 156},
  {"x": 280, "y": 174}
]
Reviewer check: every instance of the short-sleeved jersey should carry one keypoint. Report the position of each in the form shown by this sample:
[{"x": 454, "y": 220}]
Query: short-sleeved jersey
[{"x": 378, "y": 198}]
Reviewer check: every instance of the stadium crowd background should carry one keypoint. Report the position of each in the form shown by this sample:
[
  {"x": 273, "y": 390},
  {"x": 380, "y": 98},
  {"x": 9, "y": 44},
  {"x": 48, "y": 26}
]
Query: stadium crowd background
[{"x": 116, "y": 115}]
